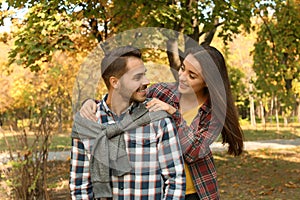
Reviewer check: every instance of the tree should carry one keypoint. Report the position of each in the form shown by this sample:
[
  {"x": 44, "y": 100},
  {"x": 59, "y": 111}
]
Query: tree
[
  {"x": 78, "y": 26},
  {"x": 35, "y": 103},
  {"x": 276, "y": 54},
  {"x": 57, "y": 20}
]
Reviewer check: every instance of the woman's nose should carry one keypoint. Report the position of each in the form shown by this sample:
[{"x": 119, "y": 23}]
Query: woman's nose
[{"x": 181, "y": 75}]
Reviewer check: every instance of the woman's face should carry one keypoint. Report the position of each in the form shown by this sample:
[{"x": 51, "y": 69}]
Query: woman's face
[{"x": 190, "y": 76}]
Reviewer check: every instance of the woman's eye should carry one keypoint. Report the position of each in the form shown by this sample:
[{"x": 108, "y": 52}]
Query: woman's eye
[{"x": 192, "y": 76}]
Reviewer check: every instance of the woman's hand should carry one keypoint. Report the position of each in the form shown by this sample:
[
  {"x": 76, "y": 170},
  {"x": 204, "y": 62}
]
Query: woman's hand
[
  {"x": 156, "y": 105},
  {"x": 88, "y": 110}
]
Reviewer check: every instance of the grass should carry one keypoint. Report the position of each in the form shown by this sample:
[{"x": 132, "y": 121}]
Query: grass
[
  {"x": 62, "y": 142},
  {"x": 270, "y": 132},
  {"x": 58, "y": 143},
  {"x": 254, "y": 135}
]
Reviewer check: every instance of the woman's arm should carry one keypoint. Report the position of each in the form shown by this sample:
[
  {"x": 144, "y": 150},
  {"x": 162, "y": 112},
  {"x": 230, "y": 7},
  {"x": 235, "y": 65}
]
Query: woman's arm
[{"x": 196, "y": 138}]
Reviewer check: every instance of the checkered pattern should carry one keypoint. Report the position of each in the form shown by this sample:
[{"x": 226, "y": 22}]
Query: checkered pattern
[
  {"x": 80, "y": 181},
  {"x": 194, "y": 140},
  {"x": 154, "y": 153}
]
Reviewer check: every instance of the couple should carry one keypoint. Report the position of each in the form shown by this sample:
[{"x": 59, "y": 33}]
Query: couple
[{"x": 200, "y": 112}]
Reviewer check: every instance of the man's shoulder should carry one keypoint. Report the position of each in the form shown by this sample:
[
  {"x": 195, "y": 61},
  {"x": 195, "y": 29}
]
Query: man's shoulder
[{"x": 161, "y": 118}]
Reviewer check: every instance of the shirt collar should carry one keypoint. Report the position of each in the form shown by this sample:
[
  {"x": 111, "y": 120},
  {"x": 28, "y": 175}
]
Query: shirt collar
[{"x": 206, "y": 106}]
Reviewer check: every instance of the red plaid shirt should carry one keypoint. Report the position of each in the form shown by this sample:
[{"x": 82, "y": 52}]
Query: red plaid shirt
[{"x": 195, "y": 140}]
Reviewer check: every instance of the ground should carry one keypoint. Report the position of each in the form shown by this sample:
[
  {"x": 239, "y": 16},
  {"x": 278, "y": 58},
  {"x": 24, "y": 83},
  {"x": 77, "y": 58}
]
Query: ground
[
  {"x": 261, "y": 174},
  {"x": 268, "y": 174}
]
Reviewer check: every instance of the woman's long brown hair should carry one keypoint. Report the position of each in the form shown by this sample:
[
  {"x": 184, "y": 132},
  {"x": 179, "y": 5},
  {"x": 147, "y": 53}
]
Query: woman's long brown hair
[{"x": 216, "y": 77}]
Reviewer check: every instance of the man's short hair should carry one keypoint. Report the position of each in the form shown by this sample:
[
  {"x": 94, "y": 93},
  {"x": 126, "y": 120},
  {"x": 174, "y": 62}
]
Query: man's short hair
[{"x": 114, "y": 62}]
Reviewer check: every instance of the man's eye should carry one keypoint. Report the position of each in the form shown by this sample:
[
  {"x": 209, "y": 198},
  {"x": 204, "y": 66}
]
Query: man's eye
[{"x": 138, "y": 77}]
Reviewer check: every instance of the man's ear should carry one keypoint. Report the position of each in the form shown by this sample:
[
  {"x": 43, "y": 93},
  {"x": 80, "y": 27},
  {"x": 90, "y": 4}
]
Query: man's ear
[{"x": 114, "y": 82}]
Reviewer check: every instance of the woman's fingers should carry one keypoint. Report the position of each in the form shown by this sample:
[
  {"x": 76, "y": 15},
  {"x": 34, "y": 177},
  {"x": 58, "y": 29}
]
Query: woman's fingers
[
  {"x": 156, "y": 105},
  {"x": 88, "y": 110}
]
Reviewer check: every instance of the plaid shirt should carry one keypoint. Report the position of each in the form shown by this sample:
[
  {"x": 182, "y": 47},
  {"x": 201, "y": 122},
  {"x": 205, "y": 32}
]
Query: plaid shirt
[
  {"x": 154, "y": 153},
  {"x": 194, "y": 140}
]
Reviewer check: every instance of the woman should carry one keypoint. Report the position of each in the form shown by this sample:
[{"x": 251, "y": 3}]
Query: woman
[
  {"x": 202, "y": 107},
  {"x": 206, "y": 111}
]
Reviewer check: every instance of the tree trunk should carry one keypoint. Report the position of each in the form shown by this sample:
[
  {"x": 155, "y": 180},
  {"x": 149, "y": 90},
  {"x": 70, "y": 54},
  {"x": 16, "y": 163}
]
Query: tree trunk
[
  {"x": 210, "y": 35},
  {"x": 262, "y": 113},
  {"x": 276, "y": 113},
  {"x": 252, "y": 111},
  {"x": 298, "y": 111},
  {"x": 271, "y": 109},
  {"x": 190, "y": 42},
  {"x": 252, "y": 108},
  {"x": 285, "y": 120},
  {"x": 173, "y": 57},
  {"x": 59, "y": 116},
  {"x": 94, "y": 29}
]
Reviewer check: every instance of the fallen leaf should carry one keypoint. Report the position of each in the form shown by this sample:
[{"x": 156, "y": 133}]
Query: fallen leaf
[
  {"x": 235, "y": 185},
  {"x": 269, "y": 192},
  {"x": 290, "y": 184}
]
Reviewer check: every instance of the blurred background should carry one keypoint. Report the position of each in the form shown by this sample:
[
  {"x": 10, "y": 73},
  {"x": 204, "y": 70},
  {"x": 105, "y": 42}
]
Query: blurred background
[{"x": 49, "y": 56}]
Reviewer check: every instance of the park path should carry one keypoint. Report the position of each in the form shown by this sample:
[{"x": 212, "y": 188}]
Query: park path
[
  {"x": 262, "y": 144},
  {"x": 215, "y": 147}
]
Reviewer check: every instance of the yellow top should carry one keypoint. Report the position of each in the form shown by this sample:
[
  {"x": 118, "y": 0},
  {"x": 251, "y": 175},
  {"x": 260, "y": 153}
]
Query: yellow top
[{"x": 188, "y": 117}]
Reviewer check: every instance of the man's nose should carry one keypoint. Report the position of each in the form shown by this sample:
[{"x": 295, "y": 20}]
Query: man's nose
[{"x": 146, "y": 81}]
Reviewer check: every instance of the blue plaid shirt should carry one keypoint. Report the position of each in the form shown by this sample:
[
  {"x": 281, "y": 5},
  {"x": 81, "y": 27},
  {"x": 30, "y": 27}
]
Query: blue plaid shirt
[{"x": 155, "y": 156}]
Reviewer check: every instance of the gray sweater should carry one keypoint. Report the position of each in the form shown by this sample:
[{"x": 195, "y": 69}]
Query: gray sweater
[{"x": 109, "y": 149}]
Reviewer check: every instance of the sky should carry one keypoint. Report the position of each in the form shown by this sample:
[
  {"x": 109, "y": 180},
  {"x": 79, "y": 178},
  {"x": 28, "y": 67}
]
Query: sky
[
  {"x": 7, "y": 23},
  {"x": 6, "y": 27},
  {"x": 21, "y": 13}
]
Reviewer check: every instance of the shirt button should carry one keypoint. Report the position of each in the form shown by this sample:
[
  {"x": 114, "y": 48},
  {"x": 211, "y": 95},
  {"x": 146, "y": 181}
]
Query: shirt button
[{"x": 121, "y": 188}]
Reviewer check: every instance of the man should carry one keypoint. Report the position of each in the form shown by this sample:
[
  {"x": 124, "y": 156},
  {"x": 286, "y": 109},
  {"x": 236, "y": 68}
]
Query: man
[{"x": 153, "y": 150}]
